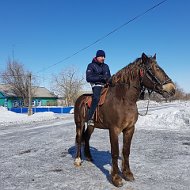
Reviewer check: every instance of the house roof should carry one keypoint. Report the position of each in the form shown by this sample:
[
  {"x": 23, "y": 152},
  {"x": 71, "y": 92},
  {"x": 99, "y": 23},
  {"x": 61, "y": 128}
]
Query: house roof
[
  {"x": 43, "y": 92},
  {"x": 6, "y": 90},
  {"x": 37, "y": 91}
]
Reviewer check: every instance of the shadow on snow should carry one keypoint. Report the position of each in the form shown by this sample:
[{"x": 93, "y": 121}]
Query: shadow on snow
[{"x": 100, "y": 159}]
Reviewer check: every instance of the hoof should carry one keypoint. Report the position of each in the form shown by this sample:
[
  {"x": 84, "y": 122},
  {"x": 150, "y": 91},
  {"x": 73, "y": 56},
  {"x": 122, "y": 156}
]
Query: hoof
[
  {"x": 128, "y": 176},
  {"x": 117, "y": 180},
  {"x": 78, "y": 162},
  {"x": 90, "y": 159}
]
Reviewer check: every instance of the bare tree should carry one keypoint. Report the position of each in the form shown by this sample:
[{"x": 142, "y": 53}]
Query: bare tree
[
  {"x": 179, "y": 93},
  {"x": 18, "y": 79},
  {"x": 68, "y": 84}
]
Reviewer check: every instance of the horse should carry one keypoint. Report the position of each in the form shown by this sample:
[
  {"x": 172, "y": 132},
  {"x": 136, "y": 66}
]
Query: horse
[{"x": 119, "y": 112}]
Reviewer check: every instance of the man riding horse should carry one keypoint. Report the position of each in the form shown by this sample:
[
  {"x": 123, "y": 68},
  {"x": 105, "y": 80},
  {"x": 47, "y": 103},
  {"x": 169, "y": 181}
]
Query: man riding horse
[
  {"x": 119, "y": 112},
  {"x": 97, "y": 74}
]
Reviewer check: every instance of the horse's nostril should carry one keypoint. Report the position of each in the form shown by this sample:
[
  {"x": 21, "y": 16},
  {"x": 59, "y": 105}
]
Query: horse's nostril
[{"x": 172, "y": 93}]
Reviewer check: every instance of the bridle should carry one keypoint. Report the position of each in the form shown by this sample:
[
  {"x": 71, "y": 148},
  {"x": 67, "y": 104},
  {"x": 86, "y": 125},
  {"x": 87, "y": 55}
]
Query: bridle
[{"x": 146, "y": 71}]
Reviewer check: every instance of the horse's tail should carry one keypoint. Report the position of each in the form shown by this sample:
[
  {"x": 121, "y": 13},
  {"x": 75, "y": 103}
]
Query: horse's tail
[
  {"x": 80, "y": 109},
  {"x": 80, "y": 116}
]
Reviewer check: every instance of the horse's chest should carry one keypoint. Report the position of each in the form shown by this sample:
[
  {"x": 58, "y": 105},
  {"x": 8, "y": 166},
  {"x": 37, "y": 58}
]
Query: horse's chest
[{"x": 129, "y": 121}]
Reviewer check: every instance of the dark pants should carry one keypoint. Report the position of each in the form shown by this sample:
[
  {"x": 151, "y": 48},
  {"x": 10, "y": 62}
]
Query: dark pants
[{"x": 95, "y": 99}]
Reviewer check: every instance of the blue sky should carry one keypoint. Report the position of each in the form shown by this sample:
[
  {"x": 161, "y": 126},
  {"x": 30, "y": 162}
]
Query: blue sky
[{"x": 41, "y": 33}]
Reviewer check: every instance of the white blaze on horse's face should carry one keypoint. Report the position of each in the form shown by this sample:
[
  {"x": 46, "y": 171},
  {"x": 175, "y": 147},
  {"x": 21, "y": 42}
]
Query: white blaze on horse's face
[{"x": 169, "y": 88}]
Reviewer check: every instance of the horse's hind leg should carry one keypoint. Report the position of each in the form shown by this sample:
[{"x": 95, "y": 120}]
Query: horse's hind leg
[
  {"x": 87, "y": 136},
  {"x": 79, "y": 135},
  {"x": 127, "y": 137}
]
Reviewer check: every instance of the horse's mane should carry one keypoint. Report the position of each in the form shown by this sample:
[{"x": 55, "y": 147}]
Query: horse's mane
[{"x": 127, "y": 73}]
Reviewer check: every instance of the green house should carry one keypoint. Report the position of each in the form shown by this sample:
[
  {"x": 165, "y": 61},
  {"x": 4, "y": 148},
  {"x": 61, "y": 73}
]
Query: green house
[{"x": 41, "y": 97}]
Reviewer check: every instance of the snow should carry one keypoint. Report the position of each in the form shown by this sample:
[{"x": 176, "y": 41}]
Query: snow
[
  {"x": 9, "y": 117},
  {"x": 172, "y": 115},
  {"x": 39, "y": 152}
]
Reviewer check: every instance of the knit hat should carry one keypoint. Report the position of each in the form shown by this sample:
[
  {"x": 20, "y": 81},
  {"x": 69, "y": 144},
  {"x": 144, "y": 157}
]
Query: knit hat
[{"x": 100, "y": 53}]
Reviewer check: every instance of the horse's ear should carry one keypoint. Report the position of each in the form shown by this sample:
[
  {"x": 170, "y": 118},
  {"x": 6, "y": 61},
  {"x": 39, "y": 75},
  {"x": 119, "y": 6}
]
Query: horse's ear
[
  {"x": 154, "y": 57},
  {"x": 144, "y": 57}
]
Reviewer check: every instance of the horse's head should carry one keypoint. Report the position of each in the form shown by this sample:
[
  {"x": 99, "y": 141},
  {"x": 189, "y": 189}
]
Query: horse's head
[{"x": 154, "y": 78}]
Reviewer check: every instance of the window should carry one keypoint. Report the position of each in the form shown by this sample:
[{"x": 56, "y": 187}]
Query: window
[
  {"x": 33, "y": 102},
  {"x": 39, "y": 103},
  {"x": 15, "y": 104}
]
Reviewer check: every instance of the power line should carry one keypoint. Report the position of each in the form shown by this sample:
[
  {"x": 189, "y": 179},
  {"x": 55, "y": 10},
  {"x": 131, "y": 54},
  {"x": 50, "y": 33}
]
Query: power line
[{"x": 105, "y": 36}]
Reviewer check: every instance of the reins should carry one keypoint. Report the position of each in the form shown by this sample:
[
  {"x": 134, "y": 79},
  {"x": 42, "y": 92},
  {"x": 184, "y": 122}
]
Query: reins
[
  {"x": 149, "y": 93},
  {"x": 142, "y": 74}
]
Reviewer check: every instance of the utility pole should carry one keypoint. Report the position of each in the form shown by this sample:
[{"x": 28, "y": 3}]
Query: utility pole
[{"x": 30, "y": 95}]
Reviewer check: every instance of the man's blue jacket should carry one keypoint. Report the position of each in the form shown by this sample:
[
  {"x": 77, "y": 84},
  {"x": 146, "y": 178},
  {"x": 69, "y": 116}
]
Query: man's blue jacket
[{"x": 97, "y": 73}]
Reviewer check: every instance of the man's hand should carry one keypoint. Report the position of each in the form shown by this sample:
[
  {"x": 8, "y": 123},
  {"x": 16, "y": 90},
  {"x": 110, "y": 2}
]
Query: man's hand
[{"x": 103, "y": 79}]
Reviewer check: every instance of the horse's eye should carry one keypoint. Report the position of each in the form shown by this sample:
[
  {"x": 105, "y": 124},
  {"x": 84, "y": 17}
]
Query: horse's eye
[{"x": 157, "y": 68}]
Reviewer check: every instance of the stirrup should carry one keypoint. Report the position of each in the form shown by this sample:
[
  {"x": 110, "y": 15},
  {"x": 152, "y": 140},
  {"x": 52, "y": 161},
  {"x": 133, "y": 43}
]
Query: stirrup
[{"x": 90, "y": 123}]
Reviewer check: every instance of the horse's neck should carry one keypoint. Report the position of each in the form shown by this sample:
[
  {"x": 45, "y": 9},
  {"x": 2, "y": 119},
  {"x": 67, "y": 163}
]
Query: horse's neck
[
  {"x": 127, "y": 75},
  {"x": 133, "y": 92},
  {"x": 127, "y": 83},
  {"x": 125, "y": 92}
]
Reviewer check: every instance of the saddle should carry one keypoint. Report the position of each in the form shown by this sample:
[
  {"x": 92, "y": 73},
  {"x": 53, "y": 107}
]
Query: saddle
[{"x": 88, "y": 101}]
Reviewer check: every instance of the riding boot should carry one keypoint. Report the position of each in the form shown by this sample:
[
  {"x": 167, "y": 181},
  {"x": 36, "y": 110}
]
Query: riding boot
[
  {"x": 95, "y": 99},
  {"x": 90, "y": 122}
]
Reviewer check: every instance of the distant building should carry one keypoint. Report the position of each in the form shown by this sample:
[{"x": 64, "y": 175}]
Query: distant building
[{"x": 41, "y": 97}]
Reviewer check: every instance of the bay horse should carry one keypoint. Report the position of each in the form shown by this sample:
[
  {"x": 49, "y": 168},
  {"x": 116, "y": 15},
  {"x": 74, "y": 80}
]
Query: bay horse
[{"x": 119, "y": 112}]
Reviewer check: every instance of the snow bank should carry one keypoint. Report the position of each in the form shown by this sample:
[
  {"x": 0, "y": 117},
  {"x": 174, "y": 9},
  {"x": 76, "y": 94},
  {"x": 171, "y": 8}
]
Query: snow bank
[
  {"x": 143, "y": 103},
  {"x": 8, "y": 117},
  {"x": 175, "y": 115}
]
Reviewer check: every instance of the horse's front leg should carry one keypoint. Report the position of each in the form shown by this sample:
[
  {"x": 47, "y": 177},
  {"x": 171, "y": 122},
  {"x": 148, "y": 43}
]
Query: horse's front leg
[
  {"x": 79, "y": 134},
  {"x": 87, "y": 136},
  {"x": 116, "y": 179},
  {"x": 127, "y": 137}
]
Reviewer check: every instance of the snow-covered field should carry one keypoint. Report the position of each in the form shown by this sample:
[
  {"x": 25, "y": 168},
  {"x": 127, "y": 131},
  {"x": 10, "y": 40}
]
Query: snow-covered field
[
  {"x": 37, "y": 152},
  {"x": 174, "y": 115},
  {"x": 8, "y": 117}
]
